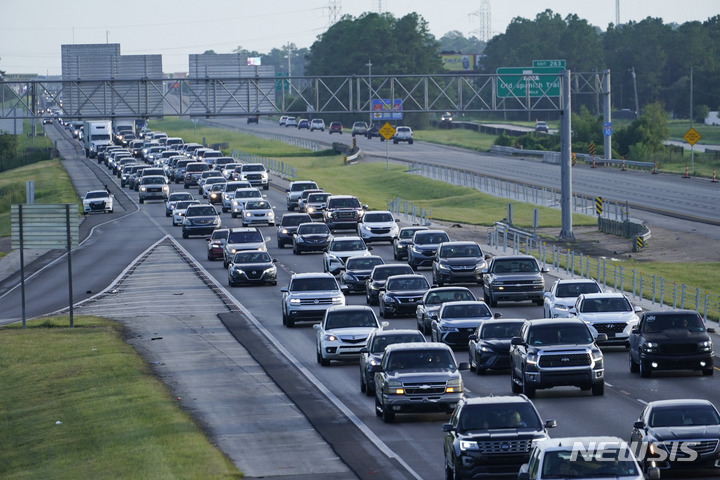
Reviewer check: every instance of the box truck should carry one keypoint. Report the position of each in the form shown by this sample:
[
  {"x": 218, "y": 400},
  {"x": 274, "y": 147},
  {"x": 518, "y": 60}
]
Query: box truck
[
  {"x": 121, "y": 127},
  {"x": 97, "y": 134}
]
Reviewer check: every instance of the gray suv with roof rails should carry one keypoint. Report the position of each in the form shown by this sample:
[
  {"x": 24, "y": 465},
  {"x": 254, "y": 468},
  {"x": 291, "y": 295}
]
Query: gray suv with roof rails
[{"x": 308, "y": 296}]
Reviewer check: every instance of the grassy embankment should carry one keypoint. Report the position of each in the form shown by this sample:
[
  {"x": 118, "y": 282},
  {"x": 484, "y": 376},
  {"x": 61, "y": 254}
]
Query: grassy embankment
[{"x": 80, "y": 403}]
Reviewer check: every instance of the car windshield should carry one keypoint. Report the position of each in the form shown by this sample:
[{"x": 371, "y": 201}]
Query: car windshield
[
  {"x": 495, "y": 417},
  {"x": 314, "y": 228},
  {"x": 378, "y": 217},
  {"x": 245, "y": 237},
  {"x": 430, "y": 238},
  {"x": 252, "y": 257},
  {"x": 247, "y": 194},
  {"x": 318, "y": 197},
  {"x": 460, "y": 251},
  {"x": 569, "y": 290},
  {"x": 408, "y": 232},
  {"x": 604, "y": 305},
  {"x": 182, "y": 205},
  {"x": 515, "y": 266},
  {"x": 231, "y": 187},
  {"x": 363, "y": 263},
  {"x": 683, "y": 416},
  {"x": 381, "y": 341},
  {"x": 500, "y": 330},
  {"x": 554, "y": 335},
  {"x": 313, "y": 284},
  {"x": 442, "y": 296},
  {"x": 384, "y": 273},
  {"x": 257, "y": 205},
  {"x": 407, "y": 284},
  {"x": 300, "y": 187},
  {"x": 201, "y": 211},
  {"x": 344, "y": 203},
  {"x": 99, "y": 194},
  {"x": 347, "y": 246},
  {"x": 218, "y": 187},
  {"x": 253, "y": 168},
  {"x": 213, "y": 180},
  {"x": 610, "y": 463},
  {"x": 691, "y": 322},
  {"x": 350, "y": 319},
  {"x": 176, "y": 197},
  {"x": 153, "y": 180},
  {"x": 294, "y": 220},
  {"x": 219, "y": 234},
  {"x": 421, "y": 359},
  {"x": 468, "y": 310}
]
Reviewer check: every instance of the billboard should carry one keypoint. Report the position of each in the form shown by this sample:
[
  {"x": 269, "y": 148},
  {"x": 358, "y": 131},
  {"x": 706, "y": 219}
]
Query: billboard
[
  {"x": 456, "y": 62},
  {"x": 254, "y": 60},
  {"x": 387, "y": 109}
]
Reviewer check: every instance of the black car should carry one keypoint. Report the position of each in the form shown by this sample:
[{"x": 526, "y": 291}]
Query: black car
[
  {"x": 402, "y": 242},
  {"x": 357, "y": 271},
  {"x": 201, "y": 219},
  {"x": 489, "y": 346},
  {"x": 491, "y": 437},
  {"x": 402, "y": 294},
  {"x": 374, "y": 131},
  {"x": 376, "y": 281},
  {"x": 252, "y": 267},
  {"x": 311, "y": 237},
  {"x": 375, "y": 347},
  {"x": 424, "y": 247},
  {"x": 671, "y": 340},
  {"x": 429, "y": 306},
  {"x": 288, "y": 226},
  {"x": 459, "y": 262},
  {"x": 684, "y": 434}
]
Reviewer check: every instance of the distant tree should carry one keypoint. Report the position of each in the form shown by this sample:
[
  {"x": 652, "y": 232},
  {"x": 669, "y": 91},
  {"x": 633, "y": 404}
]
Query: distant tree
[
  {"x": 649, "y": 130},
  {"x": 455, "y": 41},
  {"x": 701, "y": 112},
  {"x": 246, "y": 52},
  {"x": 587, "y": 127},
  {"x": 209, "y": 52}
]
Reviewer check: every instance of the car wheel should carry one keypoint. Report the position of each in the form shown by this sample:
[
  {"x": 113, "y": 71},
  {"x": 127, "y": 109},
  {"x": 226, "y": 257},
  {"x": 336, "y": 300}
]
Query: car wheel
[
  {"x": 296, "y": 250},
  {"x": 363, "y": 387},
  {"x": 387, "y": 416},
  {"x": 538, "y": 302},
  {"x": 185, "y": 235},
  {"x": 142, "y": 201},
  {"x": 233, "y": 215},
  {"x": 323, "y": 362},
  {"x": 410, "y": 142},
  {"x": 491, "y": 300},
  {"x": 232, "y": 284},
  {"x": 708, "y": 371},
  {"x": 645, "y": 372},
  {"x": 395, "y": 142},
  {"x": 634, "y": 367},
  {"x": 280, "y": 244},
  {"x": 528, "y": 390},
  {"x": 224, "y": 210},
  {"x": 395, "y": 254},
  {"x": 598, "y": 389},
  {"x": 186, "y": 186},
  {"x": 514, "y": 386},
  {"x": 289, "y": 322},
  {"x": 378, "y": 409}
]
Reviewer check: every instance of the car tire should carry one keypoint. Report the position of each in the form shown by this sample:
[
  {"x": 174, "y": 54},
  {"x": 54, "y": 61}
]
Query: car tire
[
  {"x": 539, "y": 302},
  {"x": 233, "y": 215},
  {"x": 413, "y": 266},
  {"x": 323, "y": 362},
  {"x": 491, "y": 300},
  {"x": 185, "y": 235},
  {"x": 645, "y": 372},
  {"x": 410, "y": 142},
  {"x": 395, "y": 142},
  {"x": 266, "y": 187},
  {"x": 378, "y": 410},
  {"x": 141, "y": 201},
  {"x": 634, "y": 367},
  {"x": 363, "y": 387},
  {"x": 527, "y": 390},
  {"x": 289, "y": 322},
  {"x": 387, "y": 416},
  {"x": 598, "y": 389},
  {"x": 514, "y": 386},
  {"x": 708, "y": 371},
  {"x": 232, "y": 284}
]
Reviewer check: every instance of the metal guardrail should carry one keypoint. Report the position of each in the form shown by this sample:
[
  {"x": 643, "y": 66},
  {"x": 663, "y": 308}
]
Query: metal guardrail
[
  {"x": 272, "y": 165},
  {"x": 411, "y": 212},
  {"x": 554, "y": 157}
]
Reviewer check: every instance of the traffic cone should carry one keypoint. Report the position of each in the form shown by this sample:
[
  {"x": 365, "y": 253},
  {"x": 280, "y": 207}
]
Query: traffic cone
[
  {"x": 686, "y": 172},
  {"x": 714, "y": 180},
  {"x": 623, "y": 165},
  {"x": 593, "y": 165},
  {"x": 655, "y": 169}
]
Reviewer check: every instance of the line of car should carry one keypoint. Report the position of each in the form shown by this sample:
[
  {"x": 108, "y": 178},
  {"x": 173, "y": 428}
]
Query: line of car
[{"x": 407, "y": 372}]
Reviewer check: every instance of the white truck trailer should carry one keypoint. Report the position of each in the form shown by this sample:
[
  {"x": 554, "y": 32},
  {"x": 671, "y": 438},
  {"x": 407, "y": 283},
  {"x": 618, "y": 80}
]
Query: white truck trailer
[{"x": 96, "y": 133}]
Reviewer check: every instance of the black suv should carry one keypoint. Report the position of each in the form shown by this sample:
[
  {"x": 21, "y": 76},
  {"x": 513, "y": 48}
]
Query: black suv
[
  {"x": 551, "y": 352},
  {"x": 421, "y": 253},
  {"x": 514, "y": 278},
  {"x": 459, "y": 262},
  {"x": 671, "y": 340},
  {"x": 288, "y": 226},
  {"x": 491, "y": 436}
]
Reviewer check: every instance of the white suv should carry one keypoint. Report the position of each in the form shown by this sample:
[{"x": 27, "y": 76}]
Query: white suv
[
  {"x": 317, "y": 124},
  {"x": 378, "y": 226},
  {"x": 403, "y": 134}
]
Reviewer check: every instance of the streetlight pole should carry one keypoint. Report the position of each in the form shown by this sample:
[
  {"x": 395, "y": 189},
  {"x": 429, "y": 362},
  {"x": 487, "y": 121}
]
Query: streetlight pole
[
  {"x": 289, "y": 68},
  {"x": 369, "y": 65}
]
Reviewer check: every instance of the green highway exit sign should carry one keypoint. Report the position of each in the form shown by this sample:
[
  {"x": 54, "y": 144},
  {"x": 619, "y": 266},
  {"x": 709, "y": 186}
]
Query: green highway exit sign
[
  {"x": 533, "y": 81},
  {"x": 549, "y": 63}
]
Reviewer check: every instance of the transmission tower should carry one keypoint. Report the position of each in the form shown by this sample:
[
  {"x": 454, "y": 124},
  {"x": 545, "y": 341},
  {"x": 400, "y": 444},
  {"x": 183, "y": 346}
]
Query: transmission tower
[
  {"x": 379, "y": 4},
  {"x": 485, "y": 30},
  {"x": 617, "y": 12},
  {"x": 334, "y": 10}
]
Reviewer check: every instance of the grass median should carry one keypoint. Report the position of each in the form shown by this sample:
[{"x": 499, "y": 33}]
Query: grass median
[{"x": 80, "y": 403}]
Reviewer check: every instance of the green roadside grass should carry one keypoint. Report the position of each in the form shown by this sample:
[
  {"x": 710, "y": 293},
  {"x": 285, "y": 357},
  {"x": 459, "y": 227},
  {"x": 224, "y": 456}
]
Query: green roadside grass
[{"x": 80, "y": 403}]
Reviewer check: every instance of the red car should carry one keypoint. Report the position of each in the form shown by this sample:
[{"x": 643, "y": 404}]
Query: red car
[
  {"x": 336, "y": 127},
  {"x": 216, "y": 244}
]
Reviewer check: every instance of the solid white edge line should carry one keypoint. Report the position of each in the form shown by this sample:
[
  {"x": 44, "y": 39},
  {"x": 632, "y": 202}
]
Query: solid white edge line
[{"x": 336, "y": 401}]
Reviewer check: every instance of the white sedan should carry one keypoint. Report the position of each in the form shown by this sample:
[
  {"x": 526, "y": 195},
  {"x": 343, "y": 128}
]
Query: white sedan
[
  {"x": 343, "y": 332},
  {"x": 98, "y": 201},
  {"x": 342, "y": 248},
  {"x": 180, "y": 209},
  {"x": 564, "y": 293}
]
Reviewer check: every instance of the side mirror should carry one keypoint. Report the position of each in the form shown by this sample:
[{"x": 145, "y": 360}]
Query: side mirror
[
  {"x": 639, "y": 424},
  {"x": 376, "y": 368},
  {"x": 364, "y": 350},
  {"x": 464, "y": 366},
  {"x": 472, "y": 337},
  {"x": 316, "y": 326},
  {"x": 546, "y": 294},
  {"x": 274, "y": 260},
  {"x": 517, "y": 341},
  {"x": 544, "y": 270},
  {"x": 550, "y": 424},
  {"x": 710, "y": 330},
  {"x": 636, "y": 330},
  {"x": 369, "y": 248},
  {"x": 602, "y": 337},
  {"x": 497, "y": 315},
  {"x": 447, "y": 427},
  {"x": 284, "y": 290}
]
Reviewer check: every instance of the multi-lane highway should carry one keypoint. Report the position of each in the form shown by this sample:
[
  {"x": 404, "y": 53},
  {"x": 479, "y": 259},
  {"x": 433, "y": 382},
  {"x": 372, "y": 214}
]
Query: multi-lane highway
[{"x": 416, "y": 439}]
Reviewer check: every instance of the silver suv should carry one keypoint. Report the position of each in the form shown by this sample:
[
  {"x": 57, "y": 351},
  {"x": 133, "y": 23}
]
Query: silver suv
[
  {"x": 308, "y": 296},
  {"x": 359, "y": 128}
]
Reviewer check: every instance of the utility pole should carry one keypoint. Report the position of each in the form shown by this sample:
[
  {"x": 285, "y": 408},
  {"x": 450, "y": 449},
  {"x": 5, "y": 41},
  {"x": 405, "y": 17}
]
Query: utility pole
[
  {"x": 369, "y": 65},
  {"x": 637, "y": 102}
]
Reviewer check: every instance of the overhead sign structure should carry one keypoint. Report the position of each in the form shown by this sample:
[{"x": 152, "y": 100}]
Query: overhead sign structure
[
  {"x": 386, "y": 109},
  {"x": 692, "y": 136},
  {"x": 528, "y": 81}
]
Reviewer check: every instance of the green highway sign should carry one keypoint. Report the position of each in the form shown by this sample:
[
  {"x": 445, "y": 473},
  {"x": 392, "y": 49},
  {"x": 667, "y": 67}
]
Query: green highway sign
[
  {"x": 549, "y": 63},
  {"x": 538, "y": 81}
]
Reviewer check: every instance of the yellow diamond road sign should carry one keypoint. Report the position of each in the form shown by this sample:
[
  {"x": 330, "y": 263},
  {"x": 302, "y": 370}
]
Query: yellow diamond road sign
[
  {"x": 387, "y": 131},
  {"x": 692, "y": 136}
]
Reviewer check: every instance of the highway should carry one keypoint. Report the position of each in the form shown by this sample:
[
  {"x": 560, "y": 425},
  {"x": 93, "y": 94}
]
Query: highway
[{"x": 416, "y": 439}]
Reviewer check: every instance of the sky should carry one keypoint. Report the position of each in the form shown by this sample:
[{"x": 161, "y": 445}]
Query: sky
[{"x": 30, "y": 38}]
